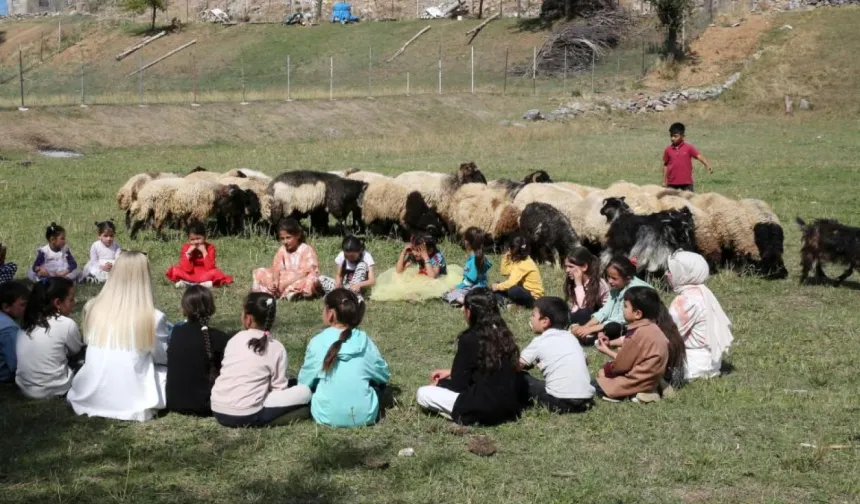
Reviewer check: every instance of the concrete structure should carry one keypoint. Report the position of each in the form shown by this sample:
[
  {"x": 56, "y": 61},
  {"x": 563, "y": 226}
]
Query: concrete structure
[{"x": 35, "y": 6}]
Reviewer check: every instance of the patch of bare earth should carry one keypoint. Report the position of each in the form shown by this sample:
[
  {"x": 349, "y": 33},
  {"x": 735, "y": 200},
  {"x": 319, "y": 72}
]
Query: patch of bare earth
[{"x": 718, "y": 52}]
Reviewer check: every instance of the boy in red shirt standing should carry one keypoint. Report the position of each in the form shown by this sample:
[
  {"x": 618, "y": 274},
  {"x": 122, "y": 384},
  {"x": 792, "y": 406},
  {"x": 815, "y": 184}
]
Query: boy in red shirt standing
[{"x": 678, "y": 161}]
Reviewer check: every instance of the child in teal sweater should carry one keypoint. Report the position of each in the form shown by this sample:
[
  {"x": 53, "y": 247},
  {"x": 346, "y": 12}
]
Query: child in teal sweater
[
  {"x": 475, "y": 270},
  {"x": 343, "y": 367},
  {"x": 609, "y": 320}
]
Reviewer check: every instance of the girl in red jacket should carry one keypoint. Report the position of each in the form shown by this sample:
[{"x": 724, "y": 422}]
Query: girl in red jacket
[{"x": 197, "y": 261}]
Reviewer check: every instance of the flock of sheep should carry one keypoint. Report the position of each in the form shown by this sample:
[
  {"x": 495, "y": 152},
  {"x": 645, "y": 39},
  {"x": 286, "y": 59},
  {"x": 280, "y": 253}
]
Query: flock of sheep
[{"x": 648, "y": 222}]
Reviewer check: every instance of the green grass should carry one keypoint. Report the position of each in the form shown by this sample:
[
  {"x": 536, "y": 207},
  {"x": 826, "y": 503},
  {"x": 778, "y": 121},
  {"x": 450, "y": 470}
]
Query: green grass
[{"x": 734, "y": 439}]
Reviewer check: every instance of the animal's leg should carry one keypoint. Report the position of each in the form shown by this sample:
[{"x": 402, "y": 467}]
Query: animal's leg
[
  {"x": 128, "y": 219},
  {"x": 806, "y": 260},
  {"x": 819, "y": 270},
  {"x": 844, "y": 275},
  {"x": 136, "y": 227}
]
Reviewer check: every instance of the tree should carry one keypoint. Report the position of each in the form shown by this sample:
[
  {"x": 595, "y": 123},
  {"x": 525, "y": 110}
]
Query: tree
[
  {"x": 671, "y": 14},
  {"x": 141, "y": 6}
]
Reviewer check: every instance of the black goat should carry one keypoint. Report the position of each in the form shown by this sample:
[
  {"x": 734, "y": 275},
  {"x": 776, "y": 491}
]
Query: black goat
[
  {"x": 548, "y": 232},
  {"x": 296, "y": 194},
  {"x": 828, "y": 240},
  {"x": 651, "y": 239}
]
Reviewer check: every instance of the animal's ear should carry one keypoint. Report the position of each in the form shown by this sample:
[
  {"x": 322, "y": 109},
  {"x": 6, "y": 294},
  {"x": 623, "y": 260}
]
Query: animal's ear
[
  {"x": 605, "y": 201},
  {"x": 621, "y": 198}
]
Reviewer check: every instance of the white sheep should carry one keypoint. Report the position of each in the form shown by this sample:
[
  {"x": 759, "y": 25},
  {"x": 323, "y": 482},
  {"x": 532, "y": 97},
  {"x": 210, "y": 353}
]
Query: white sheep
[
  {"x": 563, "y": 200},
  {"x": 476, "y": 205},
  {"x": 436, "y": 188},
  {"x": 581, "y": 190},
  {"x": 153, "y": 202},
  {"x": 587, "y": 220},
  {"x": 248, "y": 173},
  {"x": 202, "y": 174}
]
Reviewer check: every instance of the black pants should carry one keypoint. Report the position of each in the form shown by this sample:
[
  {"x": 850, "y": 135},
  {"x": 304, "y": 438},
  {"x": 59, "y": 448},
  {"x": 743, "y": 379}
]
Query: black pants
[
  {"x": 538, "y": 393},
  {"x": 517, "y": 295},
  {"x": 259, "y": 419},
  {"x": 581, "y": 316},
  {"x": 682, "y": 187}
]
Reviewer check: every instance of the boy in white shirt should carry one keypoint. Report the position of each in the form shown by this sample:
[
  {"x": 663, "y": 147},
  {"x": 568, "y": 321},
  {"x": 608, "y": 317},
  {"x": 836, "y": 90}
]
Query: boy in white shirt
[{"x": 560, "y": 357}]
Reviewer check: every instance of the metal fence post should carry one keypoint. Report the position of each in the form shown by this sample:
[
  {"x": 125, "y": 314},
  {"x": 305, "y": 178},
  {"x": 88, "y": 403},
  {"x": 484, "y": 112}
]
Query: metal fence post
[
  {"x": 289, "y": 98},
  {"x": 593, "y": 52},
  {"x": 534, "y": 70},
  {"x": 473, "y": 68},
  {"x": 564, "y": 75},
  {"x": 440, "y": 68},
  {"x": 331, "y": 78},
  {"x": 22, "y": 108},
  {"x": 139, "y": 79},
  {"x": 407, "y": 83},
  {"x": 505, "y": 85},
  {"x": 83, "y": 92},
  {"x": 370, "y": 71},
  {"x": 194, "y": 102},
  {"x": 244, "y": 96}
]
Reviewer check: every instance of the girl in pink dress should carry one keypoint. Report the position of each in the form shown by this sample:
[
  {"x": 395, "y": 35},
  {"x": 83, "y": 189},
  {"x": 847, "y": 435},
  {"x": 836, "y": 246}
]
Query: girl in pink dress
[{"x": 295, "y": 270}]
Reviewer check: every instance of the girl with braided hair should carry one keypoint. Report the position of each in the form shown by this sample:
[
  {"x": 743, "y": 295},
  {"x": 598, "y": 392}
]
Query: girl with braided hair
[
  {"x": 194, "y": 355},
  {"x": 343, "y": 366},
  {"x": 484, "y": 385},
  {"x": 252, "y": 389}
]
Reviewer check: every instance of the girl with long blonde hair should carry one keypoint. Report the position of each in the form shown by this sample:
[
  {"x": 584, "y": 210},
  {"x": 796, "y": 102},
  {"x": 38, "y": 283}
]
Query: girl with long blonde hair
[{"x": 125, "y": 370}]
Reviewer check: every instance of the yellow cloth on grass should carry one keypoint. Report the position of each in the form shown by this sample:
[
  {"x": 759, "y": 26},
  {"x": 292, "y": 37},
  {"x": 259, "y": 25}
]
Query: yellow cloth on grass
[{"x": 411, "y": 286}]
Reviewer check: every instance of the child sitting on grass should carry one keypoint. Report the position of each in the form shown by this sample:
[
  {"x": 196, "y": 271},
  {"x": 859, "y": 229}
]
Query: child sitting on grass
[
  {"x": 609, "y": 320},
  {"x": 584, "y": 289},
  {"x": 421, "y": 273},
  {"x": 194, "y": 355},
  {"x": 343, "y": 367},
  {"x": 103, "y": 253},
  {"x": 652, "y": 349},
  {"x": 13, "y": 304},
  {"x": 355, "y": 269},
  {"x": 49, "y": 345},
  {"x": 252, "y": 389},
  {"x": 54, "y": 259},
  {"x": 524, "y": 283},
  {"x": 197, "y": 261},
  {"x": 295, "y": 270},
  {"x": 475, "y": 270},
  {"x": 559, "y": 356},
  {"x": 484, "y": 385}
]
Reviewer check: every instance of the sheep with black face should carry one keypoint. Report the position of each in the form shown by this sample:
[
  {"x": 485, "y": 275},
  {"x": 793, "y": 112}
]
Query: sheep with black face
[{"x": 650, "y": 238}]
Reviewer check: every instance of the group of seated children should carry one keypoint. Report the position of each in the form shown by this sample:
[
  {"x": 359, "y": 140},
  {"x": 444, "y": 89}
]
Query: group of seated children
[{"x": 135, "y": 366}]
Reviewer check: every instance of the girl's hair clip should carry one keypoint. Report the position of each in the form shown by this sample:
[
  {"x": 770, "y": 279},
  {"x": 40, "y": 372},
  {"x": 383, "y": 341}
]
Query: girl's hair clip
[
  {"x": 204, "y": 327},
  {"x": 269, "y": 301},
  {"x": 267, "y": 333}
]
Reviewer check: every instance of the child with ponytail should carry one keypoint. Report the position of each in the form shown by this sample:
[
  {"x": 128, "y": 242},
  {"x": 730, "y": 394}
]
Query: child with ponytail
[
  {"x": 524, "y": 284},
  {"x": 48, "y": 340},
  {"x": 475, "y": 270},
  {"x": 252, "y": 389},
  {"x": 194, "y": 355},
  {"x": 343, "y": 366}
]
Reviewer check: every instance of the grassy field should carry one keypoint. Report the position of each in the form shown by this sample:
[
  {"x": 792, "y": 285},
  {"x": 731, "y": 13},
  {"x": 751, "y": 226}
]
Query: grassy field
[{"x": 735, "y": 439}]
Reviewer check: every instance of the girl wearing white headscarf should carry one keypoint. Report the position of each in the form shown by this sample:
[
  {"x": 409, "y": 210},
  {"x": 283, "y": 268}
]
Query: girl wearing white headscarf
[{"x": 703, "y": 324}]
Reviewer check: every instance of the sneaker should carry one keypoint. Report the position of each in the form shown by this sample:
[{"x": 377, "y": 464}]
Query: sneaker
[
  {"x": 646, "y": 397},
  {"x": 609, "y": 399},
  {"x": 207, "y": 284},
  {"x": 180, "y": 284}
]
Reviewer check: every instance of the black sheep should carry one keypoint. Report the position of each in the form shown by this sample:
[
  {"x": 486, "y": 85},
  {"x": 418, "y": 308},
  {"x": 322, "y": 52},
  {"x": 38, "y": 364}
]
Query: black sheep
[
  {"x": 419, "y": 218},
  {"x": 548, "y": 231},
  {"x": 651, "y": 239},
  {"x": 298, "y": 194},
  {"x": 828, "y": 240}
]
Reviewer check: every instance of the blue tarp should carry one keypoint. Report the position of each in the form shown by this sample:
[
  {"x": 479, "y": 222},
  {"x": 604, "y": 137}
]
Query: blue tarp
[
  {"x": 4, "y": 8},
  {"x": 341, "y": 12}
]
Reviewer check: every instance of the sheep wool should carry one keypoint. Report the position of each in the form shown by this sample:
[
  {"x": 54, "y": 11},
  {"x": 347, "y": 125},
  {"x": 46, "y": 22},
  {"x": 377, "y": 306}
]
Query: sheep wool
[
  {"x": 249, "y": 174},
  {"x": 384, "y": 198},
  {"x": 127, "y": 194},
  {"x": 204, "y": 175},
  {"x": 257, "y": 185},
  {"x": 563, "y": 200},
  {"x": 476, "y": 205},
  {"x": 154, "y": 200},
  {"x": 195, "y": 200},
  {"x": 587, "y": 220},
  {"x": 286, "y": 198},
  {"x": 581, "y": 190}
]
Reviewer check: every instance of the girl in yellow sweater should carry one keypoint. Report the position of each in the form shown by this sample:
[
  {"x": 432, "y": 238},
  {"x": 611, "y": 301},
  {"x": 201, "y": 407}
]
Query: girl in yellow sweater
[{"x": 524, "y": 284}]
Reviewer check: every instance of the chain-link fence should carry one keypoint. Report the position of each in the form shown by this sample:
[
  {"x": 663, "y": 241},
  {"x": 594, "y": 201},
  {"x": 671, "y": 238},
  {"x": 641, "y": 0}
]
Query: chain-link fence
[{"x": 343, "y": 62}]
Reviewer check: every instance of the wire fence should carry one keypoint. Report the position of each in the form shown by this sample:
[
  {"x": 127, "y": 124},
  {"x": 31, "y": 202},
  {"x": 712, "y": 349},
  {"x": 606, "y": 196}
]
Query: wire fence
[{"x": 193, "y": 75}]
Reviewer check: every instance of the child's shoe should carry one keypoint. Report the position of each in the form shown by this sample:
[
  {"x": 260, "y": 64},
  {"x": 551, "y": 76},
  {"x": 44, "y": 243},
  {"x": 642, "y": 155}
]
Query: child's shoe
[
  {"x": 180, "y": 284},
  {"x": 207, "y": 284},
  {"x": 646, "y": 397}
]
